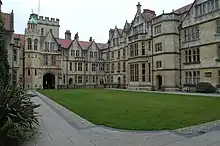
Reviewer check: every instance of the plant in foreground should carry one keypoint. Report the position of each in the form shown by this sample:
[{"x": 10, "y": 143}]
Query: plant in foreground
[{"x": 18, "y": 119}]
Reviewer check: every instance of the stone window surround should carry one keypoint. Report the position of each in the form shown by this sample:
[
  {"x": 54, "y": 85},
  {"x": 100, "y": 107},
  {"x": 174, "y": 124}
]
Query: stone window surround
[{"x": 192, "y": 77}]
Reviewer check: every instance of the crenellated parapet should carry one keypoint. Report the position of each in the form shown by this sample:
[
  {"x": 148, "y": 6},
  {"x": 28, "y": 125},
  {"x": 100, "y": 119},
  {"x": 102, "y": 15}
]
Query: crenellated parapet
[{"x": 48, "y": 21}]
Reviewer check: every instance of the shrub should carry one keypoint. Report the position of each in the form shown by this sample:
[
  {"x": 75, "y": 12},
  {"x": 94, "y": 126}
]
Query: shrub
[
  {"x": 18, "y": 120},
  {"x": 205, "y": 87}
]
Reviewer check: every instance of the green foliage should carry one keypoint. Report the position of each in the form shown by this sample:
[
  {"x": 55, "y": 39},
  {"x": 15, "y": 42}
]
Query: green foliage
[
  {"x": 4, "y": 65},
  {"x": 205, "y": 87},
  {"x": 18, "y": 120}
]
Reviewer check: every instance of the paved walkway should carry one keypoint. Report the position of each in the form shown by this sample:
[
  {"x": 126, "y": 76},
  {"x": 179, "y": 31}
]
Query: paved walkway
[{"x": 60, "y": 127}]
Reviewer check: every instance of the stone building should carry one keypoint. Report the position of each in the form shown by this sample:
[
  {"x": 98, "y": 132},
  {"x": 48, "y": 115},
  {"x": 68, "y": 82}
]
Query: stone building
[
  {"x": 200, "y": 44},
  {"x": 151, "y": 50},
  {"x": 13, "y": 47},
  {"x": 164, "y": 52},
  {"x": 51, "y": 62}
]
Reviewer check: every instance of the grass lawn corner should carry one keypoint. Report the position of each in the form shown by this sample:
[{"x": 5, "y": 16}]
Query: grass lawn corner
[{"x": 136, "y": 110}]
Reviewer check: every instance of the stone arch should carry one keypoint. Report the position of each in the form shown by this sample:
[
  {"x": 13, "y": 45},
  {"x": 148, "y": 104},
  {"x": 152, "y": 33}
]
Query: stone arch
[{"x": 49, "y": 81}]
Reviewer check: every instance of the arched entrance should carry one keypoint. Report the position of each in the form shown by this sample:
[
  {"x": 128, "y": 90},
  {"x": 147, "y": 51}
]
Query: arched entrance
[
  {"x": 159, "y": 82},
  {"x": 49, "y": 81},
  {"x": 70, "y": 81}
]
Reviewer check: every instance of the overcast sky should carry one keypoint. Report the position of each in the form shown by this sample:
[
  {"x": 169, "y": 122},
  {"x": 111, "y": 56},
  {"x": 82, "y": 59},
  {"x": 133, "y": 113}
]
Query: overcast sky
[{"x": 88, "y": 17}]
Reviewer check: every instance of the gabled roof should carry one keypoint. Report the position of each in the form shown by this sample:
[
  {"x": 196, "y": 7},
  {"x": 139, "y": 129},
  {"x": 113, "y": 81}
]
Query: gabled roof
[
  {"x": 126, "y": 27},
  {"x": 84, "y": 44},
  {"x": 183, "y": 9},
  {"x": 64, "y": 43},
  {"x": 8, "y": 19}
]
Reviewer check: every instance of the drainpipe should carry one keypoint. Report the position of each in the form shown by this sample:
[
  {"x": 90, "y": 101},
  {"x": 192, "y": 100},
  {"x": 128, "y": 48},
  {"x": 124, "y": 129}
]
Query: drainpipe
[
  {"x": 180, "y": 54},
  {"x": 24, "y": 62},
  {"x": 152, "y": 52}
]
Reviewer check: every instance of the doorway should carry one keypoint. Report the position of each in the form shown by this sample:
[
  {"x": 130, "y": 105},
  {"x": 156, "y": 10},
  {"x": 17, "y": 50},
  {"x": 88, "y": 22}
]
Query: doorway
[
  {"x": 49, "y": 81},
  {"x": 159, "y": 82}
]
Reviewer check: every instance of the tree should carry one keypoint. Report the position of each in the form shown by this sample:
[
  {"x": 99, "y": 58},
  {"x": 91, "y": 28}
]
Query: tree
[{"x": 4, "y": 65}]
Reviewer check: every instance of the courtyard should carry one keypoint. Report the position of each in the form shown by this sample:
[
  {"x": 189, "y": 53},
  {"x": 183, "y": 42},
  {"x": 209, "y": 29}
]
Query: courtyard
[{"x": 136, "y": 110}]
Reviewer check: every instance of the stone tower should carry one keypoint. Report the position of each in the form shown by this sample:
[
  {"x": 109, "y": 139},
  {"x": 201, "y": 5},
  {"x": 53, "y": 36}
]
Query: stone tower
[{"x": 31, "y": 51}]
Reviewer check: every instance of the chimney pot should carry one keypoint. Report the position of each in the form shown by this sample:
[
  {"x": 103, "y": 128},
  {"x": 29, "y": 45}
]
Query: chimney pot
[{"x": 68, "y": 35}]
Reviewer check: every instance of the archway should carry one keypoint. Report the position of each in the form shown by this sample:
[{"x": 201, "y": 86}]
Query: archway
[
  {"x": 159, "y": 82},
  {"x": 49, "y": 81},
  {"x": 70, "y": 81}
]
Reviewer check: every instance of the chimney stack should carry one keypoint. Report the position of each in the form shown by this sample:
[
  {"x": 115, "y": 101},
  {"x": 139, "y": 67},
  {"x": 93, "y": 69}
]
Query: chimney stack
[
  {"x": 90, "y": 39},
  {"x": 76, "y": 36},
  {"x": 68, "y": 35},
  {"x": 139, "y": 7}
]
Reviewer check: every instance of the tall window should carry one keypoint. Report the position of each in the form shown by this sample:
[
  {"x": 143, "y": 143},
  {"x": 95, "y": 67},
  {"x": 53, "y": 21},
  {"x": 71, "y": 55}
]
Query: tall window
[
  {"x": 77, "y": 53},
  {"x": 124, "y": 66},
  {"x": 76, "y": 66},
  {"x": 47, "y": 46},
  {"x": 80, "y": 79},
  {"x": 136, "y": 49},
  {"x": 157, "y": 29},
  {"x": 136, "y": 75},
  {"x": 112, "y": 68},
  {"x": 124, "y": 52},
  {"x": 131, "y": 50},
  {"x": 35, "y": 44},
  {"x": 192, "y": 77},
  {"x": 149, "y": 72},
  {"x": 29, "y": 72},
  {"x": 80, "y": 66},
  {"x": 219, "y": 76},
  {"x": 149, "y": 46},
  {"x": 64, "y": 79},
  {"x": 72, "y": 53},
  {"x": 143, "y": 48},
  {"x": 71, "y": 66},
  {"x": 15, "y": 55},
  {"x": 218, "y": 26},
  {"x": 102, "y": 67},
  {"x": 42, "y": 31},
  {"x": 158, "y": 64},
  {"x": 52, "y": 45},
  {"x": 95, "y": 55},
  {"x": 119, "y": 66},
  {"x": 119, "y": 54},
  {"x": 158, "y": 47},
  {"x": 29, "y": 41},
  {"x": 53, "y": 60},
  {"x": 93, "y": 67},
  {"x": 35, "y": 72},
  {"x": 192, "y": 55},
  {"x": 91, "y": 54},
  {"x": 113, "y": 55},
  {"x": 45, "y": 59},
  {"x": 132, "y": 73},
  {"x": 86, "y": 66},
  {"x": 143, "y": 72}
]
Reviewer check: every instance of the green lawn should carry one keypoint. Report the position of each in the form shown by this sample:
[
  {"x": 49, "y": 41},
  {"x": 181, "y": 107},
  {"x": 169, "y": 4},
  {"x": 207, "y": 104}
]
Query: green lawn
[{"x": 139, "y": 111}]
